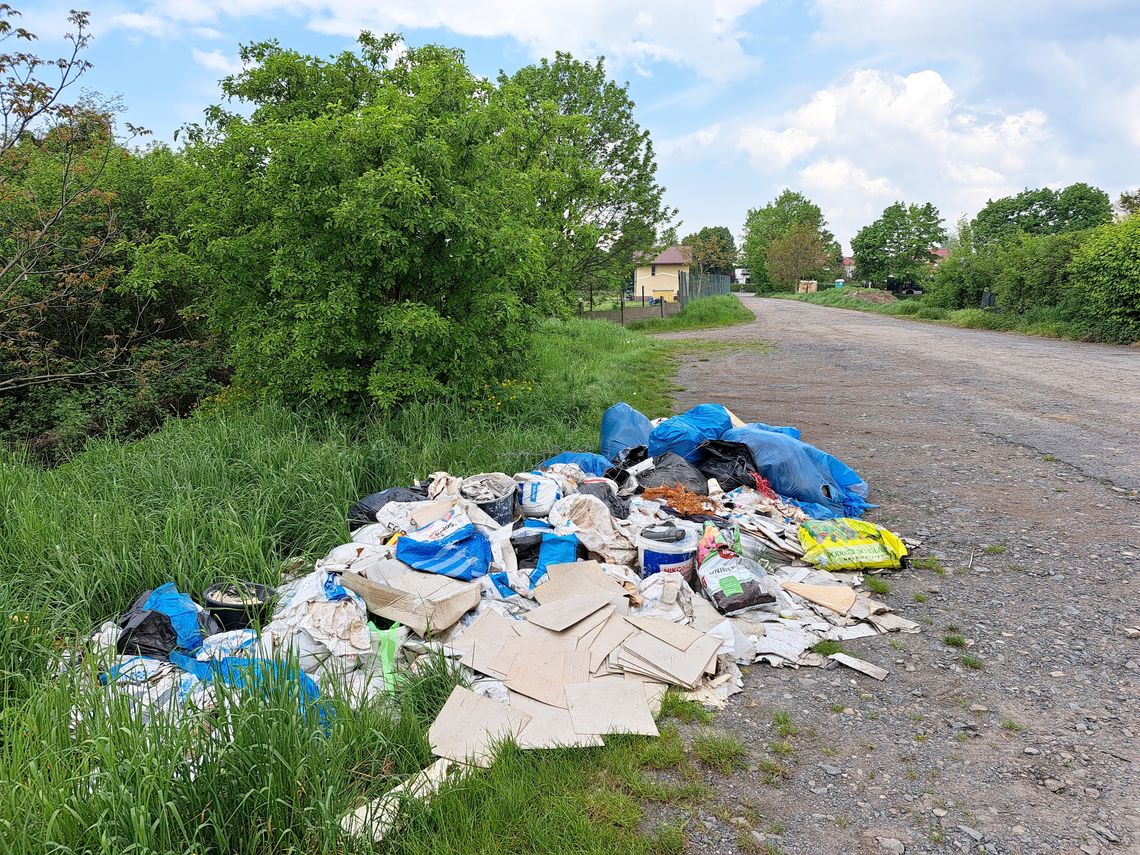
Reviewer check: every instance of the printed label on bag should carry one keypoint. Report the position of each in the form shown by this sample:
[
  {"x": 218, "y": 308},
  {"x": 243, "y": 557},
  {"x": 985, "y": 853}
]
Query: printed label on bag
[{"x": 730, "y": 586}]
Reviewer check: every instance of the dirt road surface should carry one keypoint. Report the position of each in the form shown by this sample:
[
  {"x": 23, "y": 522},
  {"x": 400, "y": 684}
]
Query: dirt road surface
[{"x": 1016, "y": 461}]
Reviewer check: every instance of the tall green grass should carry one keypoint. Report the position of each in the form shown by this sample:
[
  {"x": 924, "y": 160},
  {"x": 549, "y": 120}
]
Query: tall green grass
[
  {"x": 702, "y": 313},
  {"x": 233, "y": 492},
  {"x": 1049, "y": 322}
]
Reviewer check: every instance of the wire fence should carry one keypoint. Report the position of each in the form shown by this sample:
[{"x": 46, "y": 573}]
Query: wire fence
[{"x": 692, "y": 286}]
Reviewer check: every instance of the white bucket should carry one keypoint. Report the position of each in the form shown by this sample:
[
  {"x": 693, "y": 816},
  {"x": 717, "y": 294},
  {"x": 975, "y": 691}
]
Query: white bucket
[{"x": 655, "y": 556}]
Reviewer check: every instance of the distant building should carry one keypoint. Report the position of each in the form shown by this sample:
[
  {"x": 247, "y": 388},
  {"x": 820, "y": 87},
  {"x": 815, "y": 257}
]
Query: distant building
[
  {"x": 940, "y": 255},
  {"x": 848, "y": 266},
  {"x": 657, "y": 276},
  {"x": 742, "y": 275}
]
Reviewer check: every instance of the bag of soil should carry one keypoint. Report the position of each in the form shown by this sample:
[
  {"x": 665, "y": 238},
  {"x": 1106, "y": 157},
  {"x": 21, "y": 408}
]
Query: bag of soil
[{"x": 730, "y": 581}]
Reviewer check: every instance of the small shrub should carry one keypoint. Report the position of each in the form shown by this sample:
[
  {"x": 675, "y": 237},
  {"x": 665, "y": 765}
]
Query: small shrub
[
  {"x": 827, "y": 647},
  {"x": 953, "y": 640},
  {"x": 876, "y": 584},
  {"x": 720, "y": 752},
  {"x": 782, "y": 720},
  {"x": 920, "y": 597},
  {"x": 971, "y": 662},
  {"x": 1010, "y": 724}
]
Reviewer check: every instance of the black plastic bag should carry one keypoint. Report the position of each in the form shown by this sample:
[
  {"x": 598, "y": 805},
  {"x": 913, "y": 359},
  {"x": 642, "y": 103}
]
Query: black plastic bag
[
  {"x": 730, "y": 463},
  {"x": 146, "y": 633},
  {"x": 671, "y": 469},
  {"x": 363, "y": 511},
  {"x": 619, "y": 507}
]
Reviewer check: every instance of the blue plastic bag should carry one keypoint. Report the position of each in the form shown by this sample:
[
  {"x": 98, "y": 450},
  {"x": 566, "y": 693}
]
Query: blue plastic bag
[
  {"x": 555, "y": 549},
  {"x": 623, "y": 427},
  {"x": 181, "y": 610},
  {"x": 684, "y": 433},
  {"x": 821, "y": 484},
  {"x": 587, "y": 461},
  {"x": 451, "y": 547}
]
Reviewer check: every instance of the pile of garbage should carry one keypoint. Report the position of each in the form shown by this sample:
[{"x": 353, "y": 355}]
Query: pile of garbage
[{"x": 573, "y": 595}]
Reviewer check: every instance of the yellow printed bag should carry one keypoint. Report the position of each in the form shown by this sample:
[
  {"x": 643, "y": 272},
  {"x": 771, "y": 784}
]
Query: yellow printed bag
[{"x": 849, "y": 544}]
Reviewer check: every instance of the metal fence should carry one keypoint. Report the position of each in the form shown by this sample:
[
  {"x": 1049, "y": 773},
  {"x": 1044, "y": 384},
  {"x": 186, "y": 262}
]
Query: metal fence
[{"x": 691, "y": 286}]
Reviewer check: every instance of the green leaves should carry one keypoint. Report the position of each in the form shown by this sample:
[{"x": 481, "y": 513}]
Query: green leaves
[
  {"x": 899, "y": 244},
  {"x": 766, "y": 225}
]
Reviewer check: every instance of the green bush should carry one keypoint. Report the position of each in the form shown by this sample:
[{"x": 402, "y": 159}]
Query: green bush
[
  {"x": 702, "y": 313},
  {"x": 1106, "y": 280},
  {"x": 981, "y": 319},
  {"x": 932, "y": 313}
]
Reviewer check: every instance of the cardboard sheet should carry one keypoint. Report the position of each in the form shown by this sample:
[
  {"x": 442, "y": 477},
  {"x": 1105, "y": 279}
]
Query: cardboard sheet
[
  {"x": 483, "y": 641},
  {"x": 578, "y": 577},
  {"x": 470, "y": 725},
  {"x": 610, "y": 707},
  {"x": 615, "y": 630},
  {"x": 549, "y": 727},
  {"x": 543, "y": 673},
  {"x": 560, "y": 614},
  {"x": 838, "y": 598},
  {"x": 421, "y": 601},
  {"x": 685, "y": 667},
  {"x": 675, "y": 634},
  {"x": 861, "y": 665}
]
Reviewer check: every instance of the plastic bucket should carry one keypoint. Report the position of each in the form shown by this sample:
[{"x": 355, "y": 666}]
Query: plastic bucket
[
  {"x": 236, "y": 605},
  {"x": 502, "y": 506},
  {"x": 656, "y": 556}
]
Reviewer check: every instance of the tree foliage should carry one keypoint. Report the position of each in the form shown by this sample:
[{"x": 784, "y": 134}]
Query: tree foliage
[
  {"x": 899, "y": 244},
  {"x": 1129, "y": 203},
  {"x": 1106, "y": 278},
  {"x": 1042, "y": 212},
  {"x": 796, "y": 255},
  {"x": 711, "y": 250},
  {"x": 380, "y": 229},
  {"x": 591, "y": 167},
  {"x": 764, "y": 225}
]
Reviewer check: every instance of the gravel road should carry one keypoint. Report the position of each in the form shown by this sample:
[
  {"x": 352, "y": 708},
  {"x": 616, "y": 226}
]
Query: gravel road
[{"x": 1015, "y": 460}]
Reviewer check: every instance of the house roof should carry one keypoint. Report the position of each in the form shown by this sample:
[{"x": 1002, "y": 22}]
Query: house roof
[
  {"x": 670, "y": 255},
  {"x": 941, "y": 252},
  {"x": 848, "y": 260}
]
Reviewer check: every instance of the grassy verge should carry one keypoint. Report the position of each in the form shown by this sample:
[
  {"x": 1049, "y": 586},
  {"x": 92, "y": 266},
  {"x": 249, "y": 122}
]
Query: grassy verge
[
  {"x": 1045, "y": 322},
  {"x": 700, "y": 314},
  {"x": 236, "y": 492}
]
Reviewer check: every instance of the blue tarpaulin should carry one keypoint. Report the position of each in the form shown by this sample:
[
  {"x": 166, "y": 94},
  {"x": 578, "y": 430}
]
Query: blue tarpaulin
[
  {"x": 623, "y": 427},
  {"x": 587, "y": 461},
  {"x": 683, "y": 434},
  {"x": 181, "y": 610},
  {"x": 821, "y": 484}
]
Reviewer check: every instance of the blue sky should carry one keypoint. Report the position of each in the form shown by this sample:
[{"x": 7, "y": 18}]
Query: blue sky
[{"x": 856, "y": 103}]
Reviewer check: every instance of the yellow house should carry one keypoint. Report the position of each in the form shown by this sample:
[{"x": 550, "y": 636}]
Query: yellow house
[{"x": 659, "y": 277}]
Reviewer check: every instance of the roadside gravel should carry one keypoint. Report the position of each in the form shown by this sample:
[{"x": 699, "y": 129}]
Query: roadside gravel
[{"x": 1015, "y": 460}]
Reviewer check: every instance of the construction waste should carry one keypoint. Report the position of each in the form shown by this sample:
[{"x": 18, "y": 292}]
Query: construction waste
[{"x": 572, "y": 596}]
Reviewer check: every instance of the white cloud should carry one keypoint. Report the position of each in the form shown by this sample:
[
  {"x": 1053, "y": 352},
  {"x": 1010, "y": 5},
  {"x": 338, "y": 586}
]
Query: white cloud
[
  {"x": 688, "y": 145},
  {"x": 875, "y": 137},
  {"x": 842, "y": 176},
  {"x": 216, "y": 61},
  {"x": 768, "y": 149},
  {"x": 707, "y": 39}
]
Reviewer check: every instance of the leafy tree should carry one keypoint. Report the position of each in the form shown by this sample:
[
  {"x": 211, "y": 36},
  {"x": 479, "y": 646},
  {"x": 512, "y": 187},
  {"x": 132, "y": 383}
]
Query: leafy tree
[
  {"x": 764, "y": 225},
  {"x": 797, "y": 255},
  {"x": 1130, "y": 202},
  {"x": 899, "y": 244},
  {"x": 382, "y": 249},
  {"x": 1042, "y": 212},
  {"x": 711, "y": 250},
  {"x": 591, "y": 166},
  {"x": 1106, "y": 280}
]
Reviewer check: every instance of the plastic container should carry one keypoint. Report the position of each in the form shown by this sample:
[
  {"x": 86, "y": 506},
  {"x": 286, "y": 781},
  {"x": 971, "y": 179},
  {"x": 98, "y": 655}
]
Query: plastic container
[
  {"x": 503, "y": 506},
  {"x": 236, "y": 605},
  {"x": 655, "y": 555}
]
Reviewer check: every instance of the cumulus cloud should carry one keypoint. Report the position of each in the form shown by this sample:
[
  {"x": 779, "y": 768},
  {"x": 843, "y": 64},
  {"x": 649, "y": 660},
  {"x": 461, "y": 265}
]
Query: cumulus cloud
[
  {"x": 875, "y": 136},
  {"x": 704, "y": 37},
  {"x": 217, "y": 61}
]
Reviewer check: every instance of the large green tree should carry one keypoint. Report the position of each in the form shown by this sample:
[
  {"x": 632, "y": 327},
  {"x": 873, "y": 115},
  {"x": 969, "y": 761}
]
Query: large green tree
[
  {"x": 711, "y": 250},
  {"x": 797, "y": 255},
  {"x": 764, "y": 225},
  {"x": 1043, "y": 211},
  {"x": 899, "y": 244},
  {"x": 591, "y": 168},
  {"x": 1129, "y": 202}
]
